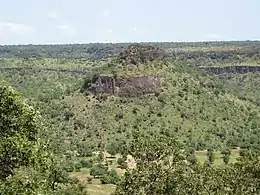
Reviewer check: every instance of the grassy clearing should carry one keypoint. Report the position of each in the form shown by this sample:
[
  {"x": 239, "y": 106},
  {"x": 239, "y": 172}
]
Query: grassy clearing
[
  {"x": 202, "y": 156},
  {"x": 96, "y": 188}
]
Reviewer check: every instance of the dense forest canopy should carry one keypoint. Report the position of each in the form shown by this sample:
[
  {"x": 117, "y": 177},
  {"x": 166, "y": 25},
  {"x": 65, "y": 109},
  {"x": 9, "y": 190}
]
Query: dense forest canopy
[{"x": 189, "y": 114}]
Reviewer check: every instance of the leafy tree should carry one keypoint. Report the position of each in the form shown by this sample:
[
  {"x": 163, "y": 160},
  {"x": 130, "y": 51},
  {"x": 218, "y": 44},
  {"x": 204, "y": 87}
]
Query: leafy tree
[
  {"x": 211, "y": 156},
  {"x": 190, "y": 155},
  {"x": 226, "y": 155},
  {"x": 112, "y": 149},
  {"x": 98, "y": 170},
  {"x": 87, "y": 163},
  {"x": 84, "y": 150},
  {"x": 20, "y": 143},
  {"x": 151, "y": 176},
  {"x": 151, "y": 173},
  {"x": 78, "y": 166},
  {"x": 100, "y": 157},
  {"x": 122, "y": 163},
  {"x": 111, "y": 177},
  {"x": 26, "y": 167},
  {"x": 74, "y": 187},
  {"x": 192, "y": 159}
]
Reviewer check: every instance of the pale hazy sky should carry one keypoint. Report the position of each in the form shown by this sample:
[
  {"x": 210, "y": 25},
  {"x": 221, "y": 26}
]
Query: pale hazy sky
[{"x": 83, "y": 21}]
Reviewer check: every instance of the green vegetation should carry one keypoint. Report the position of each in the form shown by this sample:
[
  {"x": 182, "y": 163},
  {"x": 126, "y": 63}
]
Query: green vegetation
[
  {"x": 156, "y": 173},
  {"x": 26, "y": 165},
  {"x": 205, "y": 124}
]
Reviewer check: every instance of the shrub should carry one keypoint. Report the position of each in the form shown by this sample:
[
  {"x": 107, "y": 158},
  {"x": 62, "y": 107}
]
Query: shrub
[
  {"x": 98, "y": 170},
  {"x": 77, "y": 167},
  {"x": 86, "y": 163},
  {"x": 89, "y": 179},
  {"x": 122, "y": 163},
  {"x": 111, "y": 177}
]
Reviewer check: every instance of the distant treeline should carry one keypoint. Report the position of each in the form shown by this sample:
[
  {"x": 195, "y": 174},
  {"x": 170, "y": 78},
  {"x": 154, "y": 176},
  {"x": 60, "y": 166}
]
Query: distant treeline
[
  {"x": 214, "y": 70},
  {"x": 190, "y": 50},
  {"x": 33, "y": 70}
]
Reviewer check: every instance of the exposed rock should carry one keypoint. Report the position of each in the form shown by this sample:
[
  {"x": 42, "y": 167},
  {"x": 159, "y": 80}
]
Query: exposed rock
[
  {"x": 232, "y": 69},
  {"x": 138, "y": 53},
  {"x": 122, "y": 86}
]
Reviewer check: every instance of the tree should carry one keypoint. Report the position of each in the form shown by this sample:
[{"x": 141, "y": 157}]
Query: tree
[
  {"x": 111, "y": 177},
  {"x": 190, "y": 155},
  {"x": 98, "y": 170},
  {"x": 192, "y": 159},
  {"x": 210, "y": 155},
  {"x": 112, "y": 148},
  {"x": 20, "y": 144},
  {"x": 226, "y": 155},
  {"x": 154, "y": 166},
  {"x": 177, "y": 177},
  {"x": 26, "y": 165},
  {"x": 86, "y": 163},
  {"x": 122, "y": 163}
]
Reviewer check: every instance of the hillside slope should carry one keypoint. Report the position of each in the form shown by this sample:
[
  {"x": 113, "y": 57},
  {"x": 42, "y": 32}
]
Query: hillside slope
[
  {"x": 201, "y": 110},
  {"x": 192, "y": 106}
]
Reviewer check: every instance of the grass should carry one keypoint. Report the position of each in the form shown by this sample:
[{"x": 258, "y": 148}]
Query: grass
[
  {"x": 202, "y": 156},
  {"x": 96, "y": 188}
]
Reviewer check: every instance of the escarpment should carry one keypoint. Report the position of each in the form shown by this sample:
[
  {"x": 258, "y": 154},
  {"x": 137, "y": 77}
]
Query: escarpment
[{"x": 124, "y": 86}]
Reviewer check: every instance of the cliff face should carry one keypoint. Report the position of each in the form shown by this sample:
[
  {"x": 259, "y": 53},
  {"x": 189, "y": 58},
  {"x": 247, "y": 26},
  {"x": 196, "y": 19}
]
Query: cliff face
[
  {"x": 121, "y": 86},
  {"x": 232, "y": 69}
]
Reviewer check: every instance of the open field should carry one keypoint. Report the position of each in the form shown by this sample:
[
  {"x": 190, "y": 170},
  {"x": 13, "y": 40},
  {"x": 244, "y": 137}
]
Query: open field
[
  {"x": 202, "y": 156},
  {"x": 96, "y": 188}
]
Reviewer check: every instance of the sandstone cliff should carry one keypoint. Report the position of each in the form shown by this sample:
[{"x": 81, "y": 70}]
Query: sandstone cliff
[{"x": 123, "y": 86}]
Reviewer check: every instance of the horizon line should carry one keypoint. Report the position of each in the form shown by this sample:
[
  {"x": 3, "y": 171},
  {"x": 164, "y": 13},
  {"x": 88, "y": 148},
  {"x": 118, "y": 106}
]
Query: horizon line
[{"x": 127, "y": 42}]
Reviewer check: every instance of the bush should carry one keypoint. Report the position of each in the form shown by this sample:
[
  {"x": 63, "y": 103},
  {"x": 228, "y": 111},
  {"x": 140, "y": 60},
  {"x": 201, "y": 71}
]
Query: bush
[
  {"x": 98, "y": 170},
  {"x": 122, "y": 163},
  {"x": 77, "y": 167},
  {"x": 112, "y": 149},
  {"x": 69, "y": 166},
  {"x": 105, "y": 179},
  {"x": 111, "y": 177},
  {"x": 226, "y": 155},
  {"x": 89, "y": 179},
  {"x": 100, "y": 157},
  {"x": 86, "y": 163},
  {"x": 192, "y": 159}
]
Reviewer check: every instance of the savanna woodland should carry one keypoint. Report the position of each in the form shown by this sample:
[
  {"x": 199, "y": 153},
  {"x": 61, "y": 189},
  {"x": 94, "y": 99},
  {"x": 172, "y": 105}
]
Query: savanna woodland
[{"x": 141, "y": 119}]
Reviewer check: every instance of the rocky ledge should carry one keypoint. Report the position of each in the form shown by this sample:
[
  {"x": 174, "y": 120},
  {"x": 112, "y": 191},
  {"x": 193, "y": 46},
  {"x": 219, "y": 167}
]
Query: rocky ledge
[{"x": 124, "y": 86}]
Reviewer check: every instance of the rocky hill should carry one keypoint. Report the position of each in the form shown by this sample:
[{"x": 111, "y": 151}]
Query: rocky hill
[
  {"x": 124, "y": 86},
  {"x": 137, "y": 53}
]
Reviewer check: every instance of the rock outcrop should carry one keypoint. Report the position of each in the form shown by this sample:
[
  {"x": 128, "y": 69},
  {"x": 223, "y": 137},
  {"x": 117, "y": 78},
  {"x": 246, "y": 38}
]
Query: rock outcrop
[
  {"x": 138, "y": 53},
  {"x": 125, "y": 86}
]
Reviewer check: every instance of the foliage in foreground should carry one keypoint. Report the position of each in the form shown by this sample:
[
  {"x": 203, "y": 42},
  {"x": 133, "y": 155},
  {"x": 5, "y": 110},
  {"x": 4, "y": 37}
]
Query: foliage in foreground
[
  {"x": 26, "y": 167},
  {"x": 161, "y": 168}
]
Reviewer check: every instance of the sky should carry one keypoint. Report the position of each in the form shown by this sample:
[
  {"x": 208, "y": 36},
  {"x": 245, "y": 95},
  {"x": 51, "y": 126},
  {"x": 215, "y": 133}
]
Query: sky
[{"x": 85, "y": 21}]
